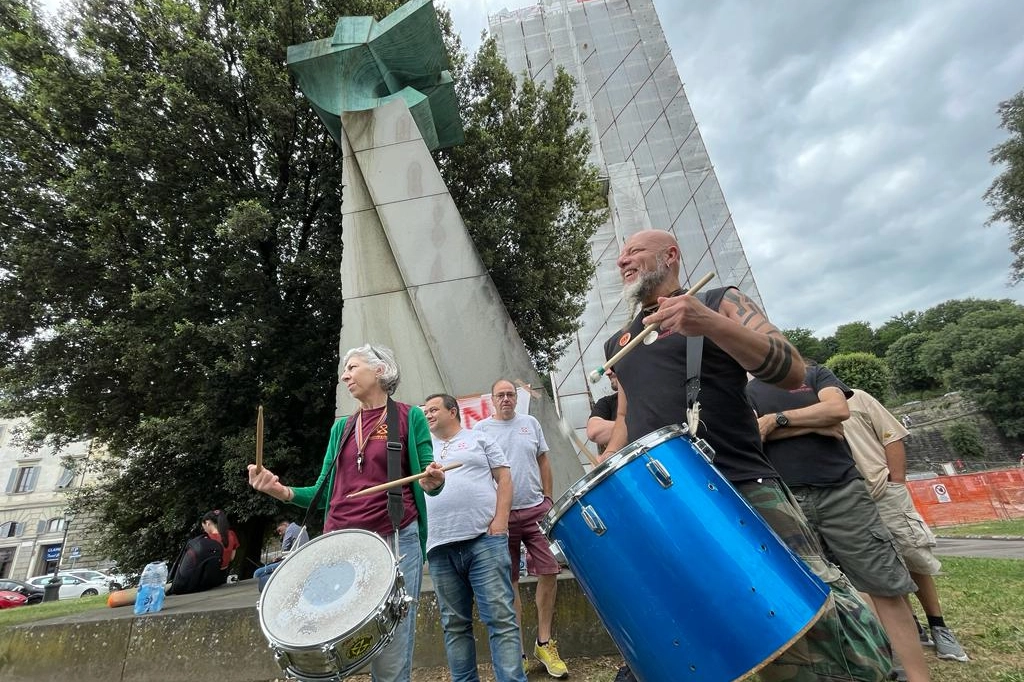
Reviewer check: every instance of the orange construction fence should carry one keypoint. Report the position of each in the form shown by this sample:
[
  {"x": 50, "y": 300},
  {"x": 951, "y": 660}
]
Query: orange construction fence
[{"x": 970, "y": 498}]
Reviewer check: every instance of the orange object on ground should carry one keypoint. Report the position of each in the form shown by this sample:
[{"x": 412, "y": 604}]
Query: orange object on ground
[{"x": 122, "y": 597}]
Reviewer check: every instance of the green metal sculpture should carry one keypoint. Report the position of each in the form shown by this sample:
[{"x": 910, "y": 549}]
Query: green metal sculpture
[{"x": 366, "y": 64}]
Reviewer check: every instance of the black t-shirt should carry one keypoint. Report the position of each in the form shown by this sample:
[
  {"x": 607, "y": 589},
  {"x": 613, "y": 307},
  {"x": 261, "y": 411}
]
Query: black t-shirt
[
  {"x": 606, "y": 408},
  {"x": 812, "y": 459},
  {"x": 653, "y": 377}
]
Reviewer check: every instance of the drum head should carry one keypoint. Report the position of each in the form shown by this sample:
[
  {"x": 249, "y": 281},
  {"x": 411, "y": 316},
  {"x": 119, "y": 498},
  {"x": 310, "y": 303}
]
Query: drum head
[
  {"x": 605, "y": 469},
  {"x": 327, "y": 588}
]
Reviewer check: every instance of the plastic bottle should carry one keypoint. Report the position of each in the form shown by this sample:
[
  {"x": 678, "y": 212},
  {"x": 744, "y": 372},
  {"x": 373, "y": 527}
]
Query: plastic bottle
[
  {"x": 150, "y": 598},
  {"x": 522, "y": 560}
]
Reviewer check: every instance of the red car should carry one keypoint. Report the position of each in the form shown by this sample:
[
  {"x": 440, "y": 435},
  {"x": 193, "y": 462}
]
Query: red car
[{"x": 9, "y": 600}]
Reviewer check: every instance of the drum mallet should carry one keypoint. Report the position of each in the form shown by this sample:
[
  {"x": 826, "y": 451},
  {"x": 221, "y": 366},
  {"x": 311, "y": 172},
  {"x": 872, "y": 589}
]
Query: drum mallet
[
  {"x": 596, "y": 375},
  {"x": 259, "y": 440},
  {"x": 401, "y": 481}
]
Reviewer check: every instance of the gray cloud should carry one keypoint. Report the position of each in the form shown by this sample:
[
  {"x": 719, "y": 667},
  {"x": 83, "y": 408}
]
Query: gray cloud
[{"x": 851, "y": 140}]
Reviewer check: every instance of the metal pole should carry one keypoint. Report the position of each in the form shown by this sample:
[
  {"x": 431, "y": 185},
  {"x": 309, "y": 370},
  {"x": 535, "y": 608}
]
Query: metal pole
[{"x": 51, "y": 591}]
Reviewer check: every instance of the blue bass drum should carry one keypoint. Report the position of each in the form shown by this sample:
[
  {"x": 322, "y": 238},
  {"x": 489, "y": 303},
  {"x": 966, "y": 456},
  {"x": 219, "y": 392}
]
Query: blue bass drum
[{"x": 688, "y": 579}]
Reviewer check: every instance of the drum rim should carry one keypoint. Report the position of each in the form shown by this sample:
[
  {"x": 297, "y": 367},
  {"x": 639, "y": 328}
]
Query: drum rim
[
  {"x": 605, "y": 469},
  {"x": 276, "y": 642}
]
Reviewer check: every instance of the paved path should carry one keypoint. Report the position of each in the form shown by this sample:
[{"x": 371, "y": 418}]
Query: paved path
[{"x": 981, "y": 547}]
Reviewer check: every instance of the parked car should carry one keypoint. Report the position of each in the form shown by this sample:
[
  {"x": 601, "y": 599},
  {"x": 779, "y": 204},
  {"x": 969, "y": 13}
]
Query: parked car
[
  {"x": 9, "y": 599},
  {"x": 72, "y": 585},
  {"x": 98, "y": 576},
  {"x": 33, "y": 594}
]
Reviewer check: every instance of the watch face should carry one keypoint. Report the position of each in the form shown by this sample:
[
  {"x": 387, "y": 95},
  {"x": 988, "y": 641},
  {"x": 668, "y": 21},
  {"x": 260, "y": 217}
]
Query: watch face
[{"x": 781, "y": 419}]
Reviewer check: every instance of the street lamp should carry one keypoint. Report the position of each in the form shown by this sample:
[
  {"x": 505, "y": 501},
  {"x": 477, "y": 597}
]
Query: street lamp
[{"x": 51, "y": 590}]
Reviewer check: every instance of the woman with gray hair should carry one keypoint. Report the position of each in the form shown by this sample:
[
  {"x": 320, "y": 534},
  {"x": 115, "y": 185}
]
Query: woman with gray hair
[{"x": 356, "y": 459}]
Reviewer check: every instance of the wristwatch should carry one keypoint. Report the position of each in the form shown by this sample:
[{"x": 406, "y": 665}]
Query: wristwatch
[{"x": 781, "y": 419}]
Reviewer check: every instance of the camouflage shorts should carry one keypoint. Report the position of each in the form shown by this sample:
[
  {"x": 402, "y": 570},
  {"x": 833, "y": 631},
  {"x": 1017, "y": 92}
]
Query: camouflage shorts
[{"x": 848, "y": 642}]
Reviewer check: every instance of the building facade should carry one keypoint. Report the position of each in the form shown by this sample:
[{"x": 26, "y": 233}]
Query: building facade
[
  {"x": 646, "y": 143},
  {"x": 33, "y": 524}
]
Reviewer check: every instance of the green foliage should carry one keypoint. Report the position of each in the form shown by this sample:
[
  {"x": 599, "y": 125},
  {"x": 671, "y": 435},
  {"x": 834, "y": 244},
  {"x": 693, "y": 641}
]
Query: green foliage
[
  {"x": 809, "y": 346},
  {"x": 855, "y": 337},
  {"x": 895, "y": 329},
  {"x": 965, "y": 439},
  {"x": 169, "y": 246},
  {"x": 1006, "y": 194},
  {"x": 903, "y": 358},
  {"x": 982, "y": 355},
  {"x": 528, "y": 197},
  {"x": 864, "y": 371}
]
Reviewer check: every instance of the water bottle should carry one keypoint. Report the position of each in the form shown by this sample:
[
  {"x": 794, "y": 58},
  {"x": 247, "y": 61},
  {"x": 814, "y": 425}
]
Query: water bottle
[
  {"x": 150, "y": 598},
  {"x": 522, "y": 559}
]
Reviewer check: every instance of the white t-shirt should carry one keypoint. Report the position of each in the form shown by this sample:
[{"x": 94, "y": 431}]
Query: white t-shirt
[
  {"x": 465, "y": 506},
  {"x": 523, "y": 442}
]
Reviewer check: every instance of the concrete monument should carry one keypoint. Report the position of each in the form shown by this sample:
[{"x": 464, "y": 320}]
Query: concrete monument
[{"x": 411, "y": 276}]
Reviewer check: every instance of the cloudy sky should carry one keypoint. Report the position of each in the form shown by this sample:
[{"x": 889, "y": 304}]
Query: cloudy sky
[{"x": 852, "y": 142}]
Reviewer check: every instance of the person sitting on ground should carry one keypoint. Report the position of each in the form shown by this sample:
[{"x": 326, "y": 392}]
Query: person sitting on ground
[
  {"x": 293, "y": 536},
  {"x": 204, "y": 561}
]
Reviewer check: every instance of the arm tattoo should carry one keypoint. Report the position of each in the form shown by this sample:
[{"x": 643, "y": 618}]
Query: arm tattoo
[
  {"x": 779, "y": 359},
  {"x": 777, "y": 362}
]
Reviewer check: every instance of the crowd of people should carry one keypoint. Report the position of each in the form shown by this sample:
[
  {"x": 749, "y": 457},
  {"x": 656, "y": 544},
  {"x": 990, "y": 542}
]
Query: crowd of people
[{"x": 821, "y": 463}]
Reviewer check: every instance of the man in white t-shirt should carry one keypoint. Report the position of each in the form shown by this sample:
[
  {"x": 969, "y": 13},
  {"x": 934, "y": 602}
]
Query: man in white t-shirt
[
  {"x": 875, "y": 438},
  {"x": 522, "y": 440},
  {"x": 467, "y": 544}
]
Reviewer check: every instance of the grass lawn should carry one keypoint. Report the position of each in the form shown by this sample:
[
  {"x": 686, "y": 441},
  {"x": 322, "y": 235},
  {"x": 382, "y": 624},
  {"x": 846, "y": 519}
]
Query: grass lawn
[
  {"x": 1012, "y": 527},
  {"x": 52, "y": 609}
]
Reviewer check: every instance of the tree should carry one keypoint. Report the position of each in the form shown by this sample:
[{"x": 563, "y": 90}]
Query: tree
[
  {"x": 982, "y": 355},
  {"x": 903, "y": 358},
  {"x": 965, "y": 439},
  {"x": 855, "y": 337},
  {"x": 528, "y": 196},
  {"x": 169, "y": 247},
  {"x": 1006, "y": 194},
  {"x": 809, "y": 346},
  {"x": 895, "y": 329},
  {"x": 864, "y": 371}
]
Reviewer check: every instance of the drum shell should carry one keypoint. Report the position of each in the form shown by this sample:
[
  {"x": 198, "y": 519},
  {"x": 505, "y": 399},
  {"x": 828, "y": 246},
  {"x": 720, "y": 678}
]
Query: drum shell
[
  {"x": 342, "y": 651},
  {"x": 688, "y": 579}
]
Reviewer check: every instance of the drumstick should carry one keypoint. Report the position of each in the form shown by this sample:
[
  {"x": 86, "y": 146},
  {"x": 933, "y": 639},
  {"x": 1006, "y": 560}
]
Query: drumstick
[
  {"x": 259, "y": 440},
  {"x": 596, "y": 375},
  {"x": 401, "y": 481}
]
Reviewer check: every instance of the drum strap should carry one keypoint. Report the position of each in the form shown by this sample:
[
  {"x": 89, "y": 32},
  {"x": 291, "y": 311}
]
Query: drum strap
[
  {"x": 396, "y": 506},
  {"x": 694, "y": 354}
]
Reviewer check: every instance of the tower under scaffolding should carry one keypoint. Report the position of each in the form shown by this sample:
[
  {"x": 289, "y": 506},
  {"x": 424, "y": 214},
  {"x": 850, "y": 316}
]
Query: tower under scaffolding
[{"x": 647, "y": 145}]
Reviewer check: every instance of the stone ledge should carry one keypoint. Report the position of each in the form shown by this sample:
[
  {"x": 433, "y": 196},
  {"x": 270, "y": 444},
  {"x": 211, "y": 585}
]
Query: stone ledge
[{"x": 216, "y": 635}]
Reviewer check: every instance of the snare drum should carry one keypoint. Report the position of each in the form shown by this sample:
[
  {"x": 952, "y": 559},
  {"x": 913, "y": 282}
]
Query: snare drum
[
  {"x": 688, "y": 579},
  {"x": 333, "y": 604}
]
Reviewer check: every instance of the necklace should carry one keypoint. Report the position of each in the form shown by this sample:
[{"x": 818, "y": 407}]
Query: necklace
[{"x": 360, "y": 440}]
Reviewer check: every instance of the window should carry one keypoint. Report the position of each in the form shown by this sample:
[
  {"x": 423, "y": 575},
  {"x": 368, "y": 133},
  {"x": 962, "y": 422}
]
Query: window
[
  {"x": 23, "y": 480},
  {"x": 11, "y": 529},
  {"x": 67, "y": 477},
  {"x": 55, "y": 525}
]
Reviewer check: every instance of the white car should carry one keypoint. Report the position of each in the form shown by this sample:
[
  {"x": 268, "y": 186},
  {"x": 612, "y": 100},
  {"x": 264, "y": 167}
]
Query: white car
[
  {"x": 114, "y": 582},
  {"x": 72, "y": 585}
]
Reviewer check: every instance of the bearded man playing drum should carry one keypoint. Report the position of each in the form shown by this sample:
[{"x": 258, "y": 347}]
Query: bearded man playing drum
[
  {"x": 847, "y": 643},
  {"x": 356, "y": 459}
]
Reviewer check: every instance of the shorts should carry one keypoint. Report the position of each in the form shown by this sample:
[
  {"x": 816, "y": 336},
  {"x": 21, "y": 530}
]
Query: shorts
[
  {"x": 847, "y": 643},
  {"x": 913, "y": 537},
  {"x": 853, "y": 534},
  {"x": 524, "y": 527}
]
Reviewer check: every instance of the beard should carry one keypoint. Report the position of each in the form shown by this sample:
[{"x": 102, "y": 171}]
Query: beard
[{"x": 646, "y": 283}]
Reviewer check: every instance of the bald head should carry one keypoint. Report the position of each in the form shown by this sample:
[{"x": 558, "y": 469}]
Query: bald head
[{"x": 649, "y": 265}]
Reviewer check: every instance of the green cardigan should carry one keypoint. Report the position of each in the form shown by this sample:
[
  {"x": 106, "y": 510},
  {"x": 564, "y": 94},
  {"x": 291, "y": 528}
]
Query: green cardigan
[{"x": 421, "y": 453}]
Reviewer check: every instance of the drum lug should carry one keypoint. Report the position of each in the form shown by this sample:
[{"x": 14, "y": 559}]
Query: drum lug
[
  {"x": 660, "y": 473},
  {"x": 282, "y": 659},
  {"x": 592, "y": 520},
  {"x": 704, "y": 448}
]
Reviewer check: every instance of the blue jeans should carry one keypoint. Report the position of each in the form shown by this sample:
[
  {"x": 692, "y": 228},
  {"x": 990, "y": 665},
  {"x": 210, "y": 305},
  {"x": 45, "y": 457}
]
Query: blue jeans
[
  {"x": 262, "y": 574},
  {"x": 394, "y": 663},
  {"x": 479, "y": 568}
]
